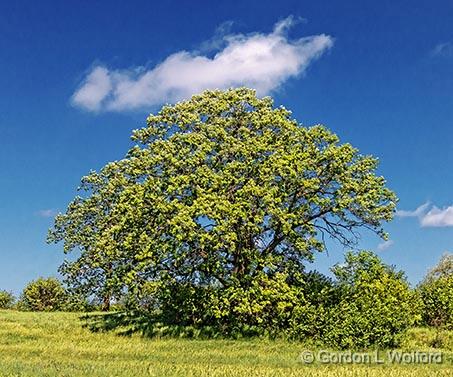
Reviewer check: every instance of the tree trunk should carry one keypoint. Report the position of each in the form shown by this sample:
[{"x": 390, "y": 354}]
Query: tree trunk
[{"x": 106, "y": 303}]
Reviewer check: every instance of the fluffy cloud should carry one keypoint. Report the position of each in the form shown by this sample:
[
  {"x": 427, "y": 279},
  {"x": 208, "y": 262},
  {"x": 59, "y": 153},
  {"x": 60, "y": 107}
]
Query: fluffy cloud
[
  {"x": 431, "y": 216},
  {"x": 96, "y": 87},
  {"x": 385, "y": 245},
  {"x": 416, "y": 213},
  {"x": 261, "y": 61},
  {"x": 437, "y": 217}
]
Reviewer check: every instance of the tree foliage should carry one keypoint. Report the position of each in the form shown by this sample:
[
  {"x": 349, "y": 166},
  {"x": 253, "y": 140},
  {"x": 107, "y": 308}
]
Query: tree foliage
[
  {"x": 43, "y": 294},
  {"x": 225, "y": 198},
  {"x": 443, "y": 269},
  {"x": 436, "y": 292},
  {"x": 7, "y": 300},
  {"x": 375, "y": 306},
  {"x": 219, "y": 190}
]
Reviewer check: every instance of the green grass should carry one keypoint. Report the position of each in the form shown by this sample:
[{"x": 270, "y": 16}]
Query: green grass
[{"x": 55, "y": 344}]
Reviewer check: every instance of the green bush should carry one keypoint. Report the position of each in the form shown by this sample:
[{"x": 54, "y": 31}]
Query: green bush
[
  {"x": 76, "y": 303},
  {"x": 437, "y": 298},
  {"x": 436, "y": 293},
  {"x": 269, "y": 305},
  {"x": 369, "y": 304},
  {"x": 426, "y": 337},
  {"x": 182, "y": 304},
  {"x": 43, "y": 295},
  {"x": 7, "y": 300},
  {"x": 375, "y": 307}
]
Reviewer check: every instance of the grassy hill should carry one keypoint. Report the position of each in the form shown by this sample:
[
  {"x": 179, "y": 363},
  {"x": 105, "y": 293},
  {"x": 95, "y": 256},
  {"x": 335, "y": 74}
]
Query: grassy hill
[{"x": 55, "y": 344}]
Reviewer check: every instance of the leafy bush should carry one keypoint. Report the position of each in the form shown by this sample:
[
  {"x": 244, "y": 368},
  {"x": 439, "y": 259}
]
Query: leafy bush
[
  {"x": 7, "y": 300},
  {"x": 375, "y": 307},
  {"x": 43, "y": 295},
  {"x": 437, "y": 298},
  {"x": 76, "y": 303},
  {"x": 436, "y": 293},
  {"x": 182, "y": 304},
  {"x": 369, "y": 304},
  {"x": 269, "y": 305},
  {"x": 424, "y": 337}
]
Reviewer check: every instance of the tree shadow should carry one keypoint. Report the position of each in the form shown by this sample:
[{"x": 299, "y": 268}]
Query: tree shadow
[
  {"x": 127, "y": 323},
  {"x": 124, "y": 323}
]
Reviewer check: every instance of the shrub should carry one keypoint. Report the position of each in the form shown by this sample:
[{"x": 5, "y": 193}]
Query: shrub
[
  {"x": 437, "y": 298},
  {"x": 369, "y": 304},
  {"x": 436, "y": 293},
  {"x": 375, "y": 307},
  {"x": 269, "y": 305},
  {"x": 182, "y": 304},
  {"x": 7, "y": 300},
  {"x": 43, "y": 295},
  {"x": 425, "y": 337},
  {"x": 74, "y": 302}
]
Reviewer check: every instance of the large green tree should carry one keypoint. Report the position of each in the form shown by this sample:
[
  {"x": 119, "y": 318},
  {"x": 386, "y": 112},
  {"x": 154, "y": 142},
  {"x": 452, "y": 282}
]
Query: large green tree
[{"x": 219, "y": 191}]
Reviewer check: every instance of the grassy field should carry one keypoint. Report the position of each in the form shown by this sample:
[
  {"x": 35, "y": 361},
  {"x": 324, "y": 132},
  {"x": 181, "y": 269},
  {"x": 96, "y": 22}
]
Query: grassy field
[{"x": 55, "y": 344}]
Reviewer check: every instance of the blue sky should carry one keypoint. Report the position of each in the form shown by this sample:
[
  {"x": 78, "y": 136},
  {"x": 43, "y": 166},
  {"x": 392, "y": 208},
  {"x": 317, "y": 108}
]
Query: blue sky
[{"x": 76, "y": 77}]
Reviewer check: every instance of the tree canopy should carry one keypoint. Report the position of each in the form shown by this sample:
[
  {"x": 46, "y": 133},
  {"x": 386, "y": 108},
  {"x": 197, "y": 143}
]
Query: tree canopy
[
  {"x": 219, "y": 190},
  {"x": 443, "y": 269}
]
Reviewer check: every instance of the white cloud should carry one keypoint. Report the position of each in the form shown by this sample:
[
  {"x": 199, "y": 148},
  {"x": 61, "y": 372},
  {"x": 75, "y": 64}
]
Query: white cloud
[
  {"x": 46, "y": 213},
  {"x": 385, "y": 245},
  {"x": 437, "y": 217},
  {"x": 416, "y": 213},
  {"x": 260, "y": 61},
  {"x": 430, "y": 216},
  {"x": 443, "y": 49},
  {"x": 96, "y": 87}
]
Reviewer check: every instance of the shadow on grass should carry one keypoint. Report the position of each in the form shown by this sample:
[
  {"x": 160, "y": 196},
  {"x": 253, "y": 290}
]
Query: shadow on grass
[
  {"x": 127, "y": 323},
  {"x": 122, "y": 323}
]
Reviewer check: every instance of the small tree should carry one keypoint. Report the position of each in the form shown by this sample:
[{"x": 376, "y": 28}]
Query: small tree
[
  {"x": 7, "y": 300},
  {"x": 443, "y": 269},
  {"x": 376, "y": 305},
  {"x": 436, "y": 292},
  {"x": 43, "y": 295}
]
